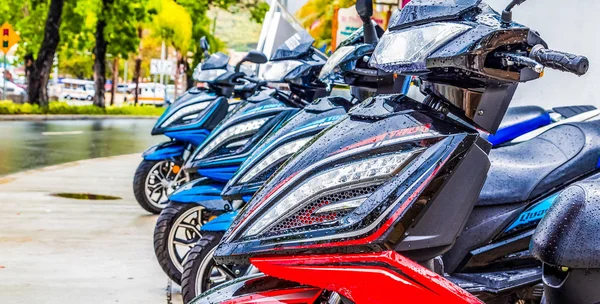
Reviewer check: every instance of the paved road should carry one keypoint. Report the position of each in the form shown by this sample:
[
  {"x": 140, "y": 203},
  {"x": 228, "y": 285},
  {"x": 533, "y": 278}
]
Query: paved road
[
  {"x": 60, "y": 251},
  {"x": 34, "y": 144}
]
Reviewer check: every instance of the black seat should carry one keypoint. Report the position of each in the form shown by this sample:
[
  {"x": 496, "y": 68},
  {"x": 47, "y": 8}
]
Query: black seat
[
  {"x": 526, "y": 170},
  {"x": 569, "y": 236}
]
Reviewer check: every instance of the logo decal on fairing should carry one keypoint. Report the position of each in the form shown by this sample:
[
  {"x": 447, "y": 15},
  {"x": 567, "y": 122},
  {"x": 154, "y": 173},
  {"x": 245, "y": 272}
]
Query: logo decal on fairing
[
  {"x": 381, "y": 138},
  {"x": 533, "y": 214}
]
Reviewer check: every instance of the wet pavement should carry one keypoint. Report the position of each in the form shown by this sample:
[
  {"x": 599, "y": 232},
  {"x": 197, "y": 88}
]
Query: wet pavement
[
  {"x": 58, "y": 250},
  {"x": 34, "y": 144}
]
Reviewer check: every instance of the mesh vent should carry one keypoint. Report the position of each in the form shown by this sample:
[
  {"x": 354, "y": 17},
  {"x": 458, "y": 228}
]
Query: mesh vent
[
  {"x": 305, "y": 216},
  {"x": 266, "y": 174}
]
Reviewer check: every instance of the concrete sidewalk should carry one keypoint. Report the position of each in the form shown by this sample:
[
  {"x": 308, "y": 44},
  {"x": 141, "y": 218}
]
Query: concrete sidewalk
[{"x": 59, "y": 250}]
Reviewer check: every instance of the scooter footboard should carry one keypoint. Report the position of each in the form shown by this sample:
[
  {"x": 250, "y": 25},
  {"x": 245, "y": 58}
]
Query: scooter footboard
[
  {"x": 260, "y": 289},
  {"x": 379, "y": 277}
]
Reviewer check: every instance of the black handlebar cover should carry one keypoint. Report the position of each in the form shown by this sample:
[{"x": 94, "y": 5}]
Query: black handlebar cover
[{"x": 561, "y": 61}]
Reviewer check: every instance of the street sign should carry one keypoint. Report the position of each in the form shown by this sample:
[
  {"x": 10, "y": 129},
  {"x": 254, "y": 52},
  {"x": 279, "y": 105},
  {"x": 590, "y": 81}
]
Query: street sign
[
  {"x": 162, "y": 67},
  {"x": 9, "y": 37}
]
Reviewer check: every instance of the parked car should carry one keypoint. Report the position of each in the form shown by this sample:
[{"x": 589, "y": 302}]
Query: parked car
[{"x": 77, "y": 89}]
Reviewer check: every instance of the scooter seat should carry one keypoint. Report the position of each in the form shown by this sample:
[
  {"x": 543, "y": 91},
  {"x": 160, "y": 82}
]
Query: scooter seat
[
  {"x": 524, "y": 171},
  {"x": 518, "y": 121},
  {"x": 568, "y": 235}
]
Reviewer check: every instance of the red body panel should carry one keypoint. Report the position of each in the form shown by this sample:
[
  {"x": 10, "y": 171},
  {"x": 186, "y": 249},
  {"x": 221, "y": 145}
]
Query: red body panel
[
  {"x": 380, "y": 277},
  {"x": 288, "y": 296}
]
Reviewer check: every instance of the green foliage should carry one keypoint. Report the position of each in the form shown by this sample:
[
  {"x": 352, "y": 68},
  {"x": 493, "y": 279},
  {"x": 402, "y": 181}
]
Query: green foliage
[
  {"x": 8, "y": 107},
  {"x": 317, "y": 17},
  {"x": 174, "y": 25}
]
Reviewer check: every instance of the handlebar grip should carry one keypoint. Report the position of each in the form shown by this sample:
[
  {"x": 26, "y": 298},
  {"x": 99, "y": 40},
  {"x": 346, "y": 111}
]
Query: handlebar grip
[{"x": 561, "y": 61}]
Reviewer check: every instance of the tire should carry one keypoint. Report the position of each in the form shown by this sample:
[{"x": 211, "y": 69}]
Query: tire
[
  {"x": 199, "y": 259},
  {"x": 140, "y": 180},
  {"x": 168, "y": 230}
]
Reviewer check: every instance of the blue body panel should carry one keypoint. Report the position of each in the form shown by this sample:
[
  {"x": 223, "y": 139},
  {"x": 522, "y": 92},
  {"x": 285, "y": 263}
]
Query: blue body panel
[
  {"x": 509, "y": 133},
  {"x": 198, "y": 192},
  {"x": 220, "y": 223},
  {"x": 169, "y": 150},
  {"x": 222, "y": 174},
  {"x": 194, "y": 136}
]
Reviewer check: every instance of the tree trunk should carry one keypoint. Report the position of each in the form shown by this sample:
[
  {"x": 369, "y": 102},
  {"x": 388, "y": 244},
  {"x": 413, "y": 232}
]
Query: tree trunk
[
  {"x": 38, "y": 71},
  {"x": 100, "y": 57},
  {"x": 138, "y": 68},
  {"x": 115, "y": 80}
]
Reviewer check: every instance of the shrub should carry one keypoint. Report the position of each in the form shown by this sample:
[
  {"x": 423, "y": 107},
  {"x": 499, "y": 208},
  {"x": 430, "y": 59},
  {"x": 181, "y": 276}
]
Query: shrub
[{"x": 57, "y": 107}]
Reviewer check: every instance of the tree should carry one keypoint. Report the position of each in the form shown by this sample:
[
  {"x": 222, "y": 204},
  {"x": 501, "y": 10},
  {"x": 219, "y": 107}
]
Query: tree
[
  {"x": 117, "y": 33},
  {"x": 317, "y": 17},
  {"x": 38, "y": 69}
]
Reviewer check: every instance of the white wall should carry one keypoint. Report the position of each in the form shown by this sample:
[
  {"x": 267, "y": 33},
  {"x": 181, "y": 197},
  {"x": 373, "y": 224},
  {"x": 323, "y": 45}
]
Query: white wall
[{"x": 566, "y": 25}]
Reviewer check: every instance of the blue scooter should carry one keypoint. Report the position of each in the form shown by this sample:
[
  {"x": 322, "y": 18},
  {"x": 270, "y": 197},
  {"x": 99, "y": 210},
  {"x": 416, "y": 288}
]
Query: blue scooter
[
  {"x": 187, "y": 122},
  {"x": 232, "y": 142}
]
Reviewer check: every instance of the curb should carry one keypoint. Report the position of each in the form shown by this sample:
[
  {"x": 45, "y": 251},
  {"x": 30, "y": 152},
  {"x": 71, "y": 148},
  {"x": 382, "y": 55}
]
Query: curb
[{"x": 24, "y": 117}]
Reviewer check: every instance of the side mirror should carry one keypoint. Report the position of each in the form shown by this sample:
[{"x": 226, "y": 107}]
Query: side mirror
[
  {"x": 254, "y": 57},
  {"x": 204, "y": 46},
  {"x": 364, "y": 8}
]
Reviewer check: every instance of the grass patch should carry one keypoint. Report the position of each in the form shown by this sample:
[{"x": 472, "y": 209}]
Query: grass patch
[{"x": 7, "y": 107}]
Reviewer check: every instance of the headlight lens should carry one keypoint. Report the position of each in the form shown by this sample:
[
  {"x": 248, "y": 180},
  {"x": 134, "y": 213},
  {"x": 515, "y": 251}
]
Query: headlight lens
[
  {"x": 354, "y": 173},
  {"x": 280, "y": 153},
  {"x": 187, "y": 113},
  {"x": 208, "y": 75},
  {"x": 333, "y": 62},
  {"x": 407, "y": 50},
  {"x": 235, "y": 131},
  {"x": 275, "y": 71}
]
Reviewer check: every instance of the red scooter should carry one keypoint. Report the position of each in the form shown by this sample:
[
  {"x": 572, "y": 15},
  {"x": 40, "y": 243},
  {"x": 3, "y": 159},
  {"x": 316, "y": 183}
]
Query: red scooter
[{"x": 364, "y": 212}]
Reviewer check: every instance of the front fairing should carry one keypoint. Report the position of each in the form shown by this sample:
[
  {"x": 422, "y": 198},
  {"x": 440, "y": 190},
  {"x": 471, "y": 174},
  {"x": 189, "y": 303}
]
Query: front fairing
[
  {"x": 259, "y": 287},
  {"x": 197, "y": 109},
  {"x": 219, "y": 151},
  {"x": 381, "y": 126},
  {"x": 307, "y": 123}
]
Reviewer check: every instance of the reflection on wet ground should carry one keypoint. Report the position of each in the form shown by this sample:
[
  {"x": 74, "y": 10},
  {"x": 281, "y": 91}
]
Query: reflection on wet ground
[{"x": 33, "y": 144}]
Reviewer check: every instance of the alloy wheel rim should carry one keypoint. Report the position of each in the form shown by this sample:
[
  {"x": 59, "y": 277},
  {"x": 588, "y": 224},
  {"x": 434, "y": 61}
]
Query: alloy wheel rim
[
  {"x": 161, "y": 182},
  {"x": 208, "y": 275},
  {"x": 184, "y": 234}
]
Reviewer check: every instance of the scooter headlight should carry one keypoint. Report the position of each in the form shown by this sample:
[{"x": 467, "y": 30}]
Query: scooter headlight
[
  {"x": 370, "y": 171},
  {"x": 208, "y": 75},
  {"x": 231, "y": 133},
  {"x": 407, "y": 50},
  {"x": 280, "y": 153},
  {"x": 186, "y": 113},
  {"x": 275, "y": 71}
]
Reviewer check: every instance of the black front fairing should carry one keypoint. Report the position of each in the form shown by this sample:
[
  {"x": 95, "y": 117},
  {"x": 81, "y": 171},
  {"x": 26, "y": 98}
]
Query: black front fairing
[
  {"x": 307, "y": 123},
  {"x": 397, "y": 124}
]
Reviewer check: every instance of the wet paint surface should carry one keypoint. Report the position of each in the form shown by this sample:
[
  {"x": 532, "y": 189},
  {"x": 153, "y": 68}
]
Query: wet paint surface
[{"x": 32, "y": 144}]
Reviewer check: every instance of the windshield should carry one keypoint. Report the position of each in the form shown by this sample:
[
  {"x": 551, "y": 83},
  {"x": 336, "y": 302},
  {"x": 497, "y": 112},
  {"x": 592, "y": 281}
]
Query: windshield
[
  {"x": 216, "y": 61},
  {"x": 423, "y": 11},
  {"x": 295, "y": 47}
]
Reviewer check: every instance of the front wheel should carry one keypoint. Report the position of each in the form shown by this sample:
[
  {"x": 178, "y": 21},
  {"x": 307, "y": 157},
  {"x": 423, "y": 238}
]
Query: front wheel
[
  {"x": 201, "y": 273},
  {"x": 154, "y": 181},
  {"x": 176, "y": 232}
]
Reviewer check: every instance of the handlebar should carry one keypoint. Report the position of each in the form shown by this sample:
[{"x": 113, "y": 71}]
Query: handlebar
[{"x": 561, "y": 61}]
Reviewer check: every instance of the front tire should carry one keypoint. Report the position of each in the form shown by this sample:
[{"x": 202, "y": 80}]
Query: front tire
[
  {"x": 176, "y": 232},
  {"x": 201, "y": 273},
  {"x": 198, "y": 267},
  {"x": 154, "y": 181}
]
